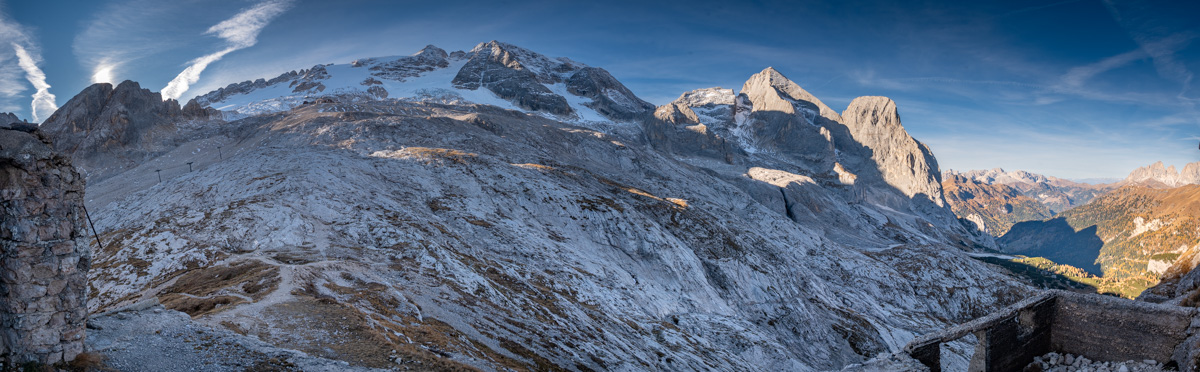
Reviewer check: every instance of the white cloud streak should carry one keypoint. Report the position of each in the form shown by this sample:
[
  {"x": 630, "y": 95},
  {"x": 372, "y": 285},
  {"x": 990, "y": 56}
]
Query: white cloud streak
[
  {"x": 43, "y": 102},
  {"x": 1160, "y": 40},
  {"x": 240, "y": 32},
  {"x": 26, "y": 55}
]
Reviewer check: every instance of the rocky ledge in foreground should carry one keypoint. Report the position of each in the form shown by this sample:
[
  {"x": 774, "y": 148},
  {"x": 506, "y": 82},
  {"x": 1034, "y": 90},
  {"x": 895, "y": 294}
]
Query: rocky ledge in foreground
[{"x": 147, "y": 337}]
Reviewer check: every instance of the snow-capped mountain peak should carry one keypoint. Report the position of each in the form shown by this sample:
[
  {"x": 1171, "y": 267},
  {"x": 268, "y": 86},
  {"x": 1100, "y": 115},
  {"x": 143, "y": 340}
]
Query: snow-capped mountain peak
[{"x": 492, "y": 73}]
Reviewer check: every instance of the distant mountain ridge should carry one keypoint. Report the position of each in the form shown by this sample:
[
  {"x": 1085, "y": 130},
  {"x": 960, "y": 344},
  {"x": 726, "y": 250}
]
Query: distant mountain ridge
[
  {"x": 491, "y": 73},
  {"x": 1157, "y": 173},
  {"x": 1055, "y": 193},
  {"x": 993, "y": 208}
]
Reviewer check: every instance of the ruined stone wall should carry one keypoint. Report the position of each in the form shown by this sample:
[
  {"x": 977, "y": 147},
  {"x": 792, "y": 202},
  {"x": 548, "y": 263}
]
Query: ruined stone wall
[{"x": 44, "y": 254}]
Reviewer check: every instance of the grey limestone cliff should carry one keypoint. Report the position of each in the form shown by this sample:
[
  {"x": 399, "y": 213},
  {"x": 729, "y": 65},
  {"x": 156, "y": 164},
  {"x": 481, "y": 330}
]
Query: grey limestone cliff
[{"x": 905, "y": 163}]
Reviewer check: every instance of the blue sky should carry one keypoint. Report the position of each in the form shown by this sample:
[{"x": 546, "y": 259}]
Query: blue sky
[{"x": 1074, "y": 89}]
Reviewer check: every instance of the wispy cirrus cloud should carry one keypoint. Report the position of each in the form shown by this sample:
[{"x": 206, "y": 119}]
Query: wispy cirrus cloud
[
  {"x": 239, "y": 32},
  {"x": 1159, "y": 38},
  {"x": 43, "y": 101},
  {"x": 27, "y": 56}
]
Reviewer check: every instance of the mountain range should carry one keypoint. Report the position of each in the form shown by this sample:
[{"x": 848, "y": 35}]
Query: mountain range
[
  {"x": 500, "y": 209},
  {"x": 1126, "y": 234}
]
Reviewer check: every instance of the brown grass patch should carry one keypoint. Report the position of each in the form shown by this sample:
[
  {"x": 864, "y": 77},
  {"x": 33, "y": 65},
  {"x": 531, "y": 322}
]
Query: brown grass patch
[
  {"x": 195, "y": 291},
  {"x": 88, "y": 362},
  {"x": 197, "y": 306},
  {"x": 431, "y": 153},
  {"x": 481, "y": 223}
]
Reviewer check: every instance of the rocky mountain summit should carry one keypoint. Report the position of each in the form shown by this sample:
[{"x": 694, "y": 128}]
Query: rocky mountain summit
[
  {"x": 1163, "y": 176},
  {"x": 105, "y": 129},
  {"x": 864, "y": 150},
  {"x": 475, "y": 222}
]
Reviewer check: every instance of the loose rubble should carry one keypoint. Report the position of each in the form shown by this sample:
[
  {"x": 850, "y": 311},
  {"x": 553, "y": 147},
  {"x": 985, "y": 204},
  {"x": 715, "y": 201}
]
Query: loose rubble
[
  {"x": 150, "y": 338},
  {"x": 1055, "y": 362}
]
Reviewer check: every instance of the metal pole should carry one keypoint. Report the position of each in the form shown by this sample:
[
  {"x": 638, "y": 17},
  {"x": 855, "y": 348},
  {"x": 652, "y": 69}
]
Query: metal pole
[
  {"x": 89, "y": 218},
  {"x": 219, "y": 156},
  {"x": 189, "y": 166},
  {"x": 159, "y": 172}
]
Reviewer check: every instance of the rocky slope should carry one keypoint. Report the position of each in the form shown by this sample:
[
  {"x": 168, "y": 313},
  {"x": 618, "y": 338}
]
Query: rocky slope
[
  {"x": 763, "y": 230},
  {"x": 1057, "y": 194},
  {"x": 993, "y": 208}
]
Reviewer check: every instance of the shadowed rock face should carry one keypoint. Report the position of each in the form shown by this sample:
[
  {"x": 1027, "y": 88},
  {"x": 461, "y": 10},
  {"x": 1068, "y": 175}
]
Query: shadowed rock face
[
  {"x": 609, "y": 97},
  {"x": 9, "y": 118},
  {"x": 104, "y": 119},
  {"x": 499, "y": 68},
  {"x": 865, "y": 150},
  {"x": 522, "y": 76},
  {"x": 44, "y": 256},
  {"x": 782, "y": 117}
]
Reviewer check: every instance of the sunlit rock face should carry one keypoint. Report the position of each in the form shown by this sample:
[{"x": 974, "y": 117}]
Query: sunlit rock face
[{"x": 906, "y": 164}]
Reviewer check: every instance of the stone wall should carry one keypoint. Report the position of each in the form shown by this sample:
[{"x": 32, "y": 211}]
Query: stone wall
[
  {"x": 1098, "y": 327},
  {"x": 44, "y": 252}
]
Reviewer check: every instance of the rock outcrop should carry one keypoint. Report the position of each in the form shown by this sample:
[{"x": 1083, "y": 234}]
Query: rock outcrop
[
  {"x": 9, "y": 120},
  {"x": 609, "y": 97},
  {"x": 865, "y": 152},
  {"x": 427, "y": 59},
  {"x": 905, "y": 163},
  {"x": 44, "y": 257},
  {"x": 769, "y": 90}
]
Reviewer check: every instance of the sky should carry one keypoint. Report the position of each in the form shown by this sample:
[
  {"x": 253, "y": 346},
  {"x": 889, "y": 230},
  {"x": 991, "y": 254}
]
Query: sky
[{"x": 1074, "y": 89}]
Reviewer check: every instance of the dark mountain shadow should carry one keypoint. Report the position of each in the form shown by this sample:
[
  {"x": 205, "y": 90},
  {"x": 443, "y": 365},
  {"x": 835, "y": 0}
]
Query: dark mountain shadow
[{"x": 1056, "y": 240}]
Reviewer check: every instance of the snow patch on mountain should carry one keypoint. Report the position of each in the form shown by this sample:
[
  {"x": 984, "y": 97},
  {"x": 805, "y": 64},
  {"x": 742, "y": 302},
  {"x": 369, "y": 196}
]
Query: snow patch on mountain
[{"x": 593, "y": 98}]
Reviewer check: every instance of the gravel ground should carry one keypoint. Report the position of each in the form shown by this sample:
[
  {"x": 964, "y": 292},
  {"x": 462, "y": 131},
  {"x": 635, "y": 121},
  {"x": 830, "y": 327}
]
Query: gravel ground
[
  {"x": 1055, "y": 362},
  {"x": 157, "y": 339}
]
